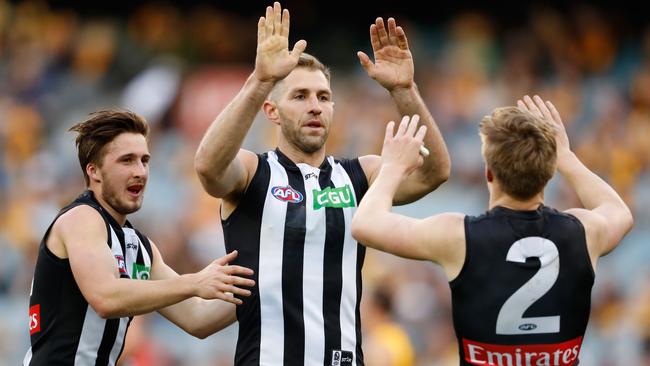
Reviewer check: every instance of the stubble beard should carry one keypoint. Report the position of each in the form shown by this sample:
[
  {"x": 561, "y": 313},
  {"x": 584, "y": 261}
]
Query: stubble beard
[
  {"x": 111, "y": 197},
  {"x": 304, "y": 143}
]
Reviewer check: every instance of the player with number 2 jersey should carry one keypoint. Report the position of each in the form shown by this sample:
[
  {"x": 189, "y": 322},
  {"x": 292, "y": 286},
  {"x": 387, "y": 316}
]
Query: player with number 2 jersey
[{"x": 521, "y": 274}]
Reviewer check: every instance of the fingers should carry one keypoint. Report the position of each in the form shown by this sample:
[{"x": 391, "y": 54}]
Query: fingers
[
  {"x": 390, "y": 127},
  {"x": 298, "y": 49},
  {"x": 261, "y": 30},
  {"x": 226, "y": 258},
  {"x": 365, "y": 61},
  {"x": 268, "y": 21},
  {"x": 277, "y": 18},
  {"x": 413, "y": 125},
  {"x": 374, "y": 38},
  {"x": 522, "y": 105},
  {"x": 403, "y": 125},
  {"x": 392, "y": 31},
  {"x": 402, "y": 42},
  {"x": 422, "y": 131},
  {"x": 285, "y": 23},
  {"x": 532, "y": 108},
  {"x": 554, "y": 113},
  {"x": 543, "y": 108},
  {"x": 237, "y": 270},
  {"x": 381, "y": 31}
]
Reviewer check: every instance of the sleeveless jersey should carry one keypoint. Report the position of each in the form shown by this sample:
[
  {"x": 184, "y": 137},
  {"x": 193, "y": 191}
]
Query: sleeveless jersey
[
  {"x": 64, "y": 329},
  {"x": 292, "y": 227},
  {"x": 523, "y": 295}
]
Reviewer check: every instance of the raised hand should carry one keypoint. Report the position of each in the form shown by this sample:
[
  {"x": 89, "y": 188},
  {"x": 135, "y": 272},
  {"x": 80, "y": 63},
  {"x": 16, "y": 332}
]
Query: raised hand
[
  {"x": 402, "y": 149},
  {"x": 548, "y": 112},
  {"x": 274, "y": 61},
  {"x": 219, "y": 280},
  {"x": 393, "y": 66}
]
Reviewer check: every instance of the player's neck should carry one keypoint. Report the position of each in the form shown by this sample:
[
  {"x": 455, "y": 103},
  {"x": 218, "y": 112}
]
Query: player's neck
[
  {"x": 296, "y": 155},
  {"x": 499, "y": 198},
  {"x": 119, "y": 218}
]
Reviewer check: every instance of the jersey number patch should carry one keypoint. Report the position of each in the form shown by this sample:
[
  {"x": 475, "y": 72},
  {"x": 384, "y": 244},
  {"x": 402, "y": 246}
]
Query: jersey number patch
[{"x": 511, "y": 316}]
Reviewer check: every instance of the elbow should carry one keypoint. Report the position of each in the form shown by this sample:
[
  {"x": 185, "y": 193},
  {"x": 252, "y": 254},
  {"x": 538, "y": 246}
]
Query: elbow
[
  {"x": 358, "y": 229},
  {"x": 628, "y": 220},
  {"x": 105, "y": 308},
  {"x": 200, "y": 333},
  {"x": 443, "y": 173},
  {"x": 201, "y": 166}
]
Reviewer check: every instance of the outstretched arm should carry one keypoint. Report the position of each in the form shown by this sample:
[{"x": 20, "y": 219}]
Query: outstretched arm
[
  {"x": 200, "y": 317},
  {"x": 439, "y": 238},
  {"x": 223, "y": 167},
  {"x": 82, "y": 232},
  {"x": 393, "y": 69},
  {"x": 606, "y": 217}
]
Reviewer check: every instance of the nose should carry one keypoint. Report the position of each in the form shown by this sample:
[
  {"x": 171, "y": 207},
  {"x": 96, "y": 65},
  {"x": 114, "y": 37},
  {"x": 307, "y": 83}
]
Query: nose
[
  {"x": 314, "y": 105},
  {"x": 140, "y": 170}
]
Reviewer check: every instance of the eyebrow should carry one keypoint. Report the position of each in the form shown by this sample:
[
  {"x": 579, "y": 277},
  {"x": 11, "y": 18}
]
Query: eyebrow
[{"x": 307, "y": 90}]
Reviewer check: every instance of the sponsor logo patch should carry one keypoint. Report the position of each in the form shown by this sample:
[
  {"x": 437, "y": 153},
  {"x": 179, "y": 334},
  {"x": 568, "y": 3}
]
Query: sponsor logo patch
[
  {"x": 140, "y": 272},
  {"x": 341, "y": 358},
  {"x": 334, "y": 197},
  {"x": 121, "y": 265},
  {"x": 286, "y": 194},
  {"x": 34, "y": 319},
  {"x": 558, "y": 354}
]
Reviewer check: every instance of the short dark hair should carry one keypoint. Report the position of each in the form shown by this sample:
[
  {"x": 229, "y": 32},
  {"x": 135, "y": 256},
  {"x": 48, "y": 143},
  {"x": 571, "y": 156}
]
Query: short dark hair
[
  {"x": 520, "y": 150},
  {"x": 100, "y": 129}
]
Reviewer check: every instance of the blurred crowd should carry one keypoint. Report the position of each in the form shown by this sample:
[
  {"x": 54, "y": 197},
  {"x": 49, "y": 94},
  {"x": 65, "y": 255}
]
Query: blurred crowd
[{"x": 180, "y": 68}]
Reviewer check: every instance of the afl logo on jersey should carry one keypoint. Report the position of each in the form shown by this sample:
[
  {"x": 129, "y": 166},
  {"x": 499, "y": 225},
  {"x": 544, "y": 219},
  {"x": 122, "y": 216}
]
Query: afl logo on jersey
[{"x": 286, "y": 194}]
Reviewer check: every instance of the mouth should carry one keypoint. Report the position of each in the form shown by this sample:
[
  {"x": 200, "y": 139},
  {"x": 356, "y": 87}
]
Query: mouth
[
  {"x": 314, "y": 124},
  {"x": 135, "y": 189}
]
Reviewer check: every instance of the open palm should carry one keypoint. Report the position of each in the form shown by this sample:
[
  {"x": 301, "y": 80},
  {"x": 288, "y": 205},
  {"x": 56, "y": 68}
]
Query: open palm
[
  {"x": 274, "y": 61},
  {"x": 393, "y": 66}
]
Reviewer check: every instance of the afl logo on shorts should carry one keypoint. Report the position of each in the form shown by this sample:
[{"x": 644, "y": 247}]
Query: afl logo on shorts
[{"x": 286, "y": 194}]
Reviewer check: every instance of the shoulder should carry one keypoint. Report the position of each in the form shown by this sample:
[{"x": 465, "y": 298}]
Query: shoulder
[
  {"x": 81, "y": 218},
  {"x": 595, "y": 227}
]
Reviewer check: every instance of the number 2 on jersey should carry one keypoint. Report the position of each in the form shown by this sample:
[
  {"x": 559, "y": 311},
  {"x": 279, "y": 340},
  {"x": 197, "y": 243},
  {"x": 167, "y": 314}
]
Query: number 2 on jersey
[{"x": 511, "y": 316}]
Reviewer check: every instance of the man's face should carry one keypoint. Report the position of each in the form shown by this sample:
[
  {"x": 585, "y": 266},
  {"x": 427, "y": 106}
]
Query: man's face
[
  {"x": 305, "y": 109},
  {"x": 124, "y": 172}
]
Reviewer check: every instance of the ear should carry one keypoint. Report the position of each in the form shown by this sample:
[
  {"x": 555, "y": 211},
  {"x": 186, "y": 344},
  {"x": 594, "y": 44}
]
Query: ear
[
  {"x": 271, "y": 111},
  {"x": 93, "y": 172},
  {"x": 488, "y": 175}
]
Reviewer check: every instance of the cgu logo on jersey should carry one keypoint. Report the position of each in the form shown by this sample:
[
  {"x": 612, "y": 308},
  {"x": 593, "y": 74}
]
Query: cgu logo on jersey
[
  {"x": 334, "y": 197},
  {"x": 34, "y": 319},
  {"x": 286, "y": 194},
  {"x": 121, "y": 265},
  {"x": 140, "y": 272}
]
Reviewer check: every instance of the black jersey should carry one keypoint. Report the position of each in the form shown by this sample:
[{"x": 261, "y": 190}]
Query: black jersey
[
  {"x": 64, "y": 329},
  {"x": 292, "y": 227},
  {"x": 523, "y": 295}
]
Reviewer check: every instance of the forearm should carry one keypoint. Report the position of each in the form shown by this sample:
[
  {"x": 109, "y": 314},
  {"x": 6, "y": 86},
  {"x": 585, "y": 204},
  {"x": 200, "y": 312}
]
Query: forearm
[
  {"x": 593, "y": 192},
  {"x": 371, "y": 221},
  {"x": 224, "y": 137},
  {"x": 201, "y": 318},
  {"x": 126, "y": 297},
  {"x": 436, "y": 167}
]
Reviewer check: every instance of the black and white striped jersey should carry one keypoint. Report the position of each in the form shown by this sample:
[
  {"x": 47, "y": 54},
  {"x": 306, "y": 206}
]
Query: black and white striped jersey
[
  {"x": 292, "y": 227},
  {"x": 64, "y": 329}
]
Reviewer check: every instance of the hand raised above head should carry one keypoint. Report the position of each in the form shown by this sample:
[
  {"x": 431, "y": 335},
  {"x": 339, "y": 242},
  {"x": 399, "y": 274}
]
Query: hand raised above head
[
  {"x": 547, "y": 112},
  {"x": 393, "y": 66},
  {"x": 274, "y": 61}
]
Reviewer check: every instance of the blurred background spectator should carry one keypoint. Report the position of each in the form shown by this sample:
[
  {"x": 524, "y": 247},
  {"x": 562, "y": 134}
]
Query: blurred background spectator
[{"x": 178, "y": 64}]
